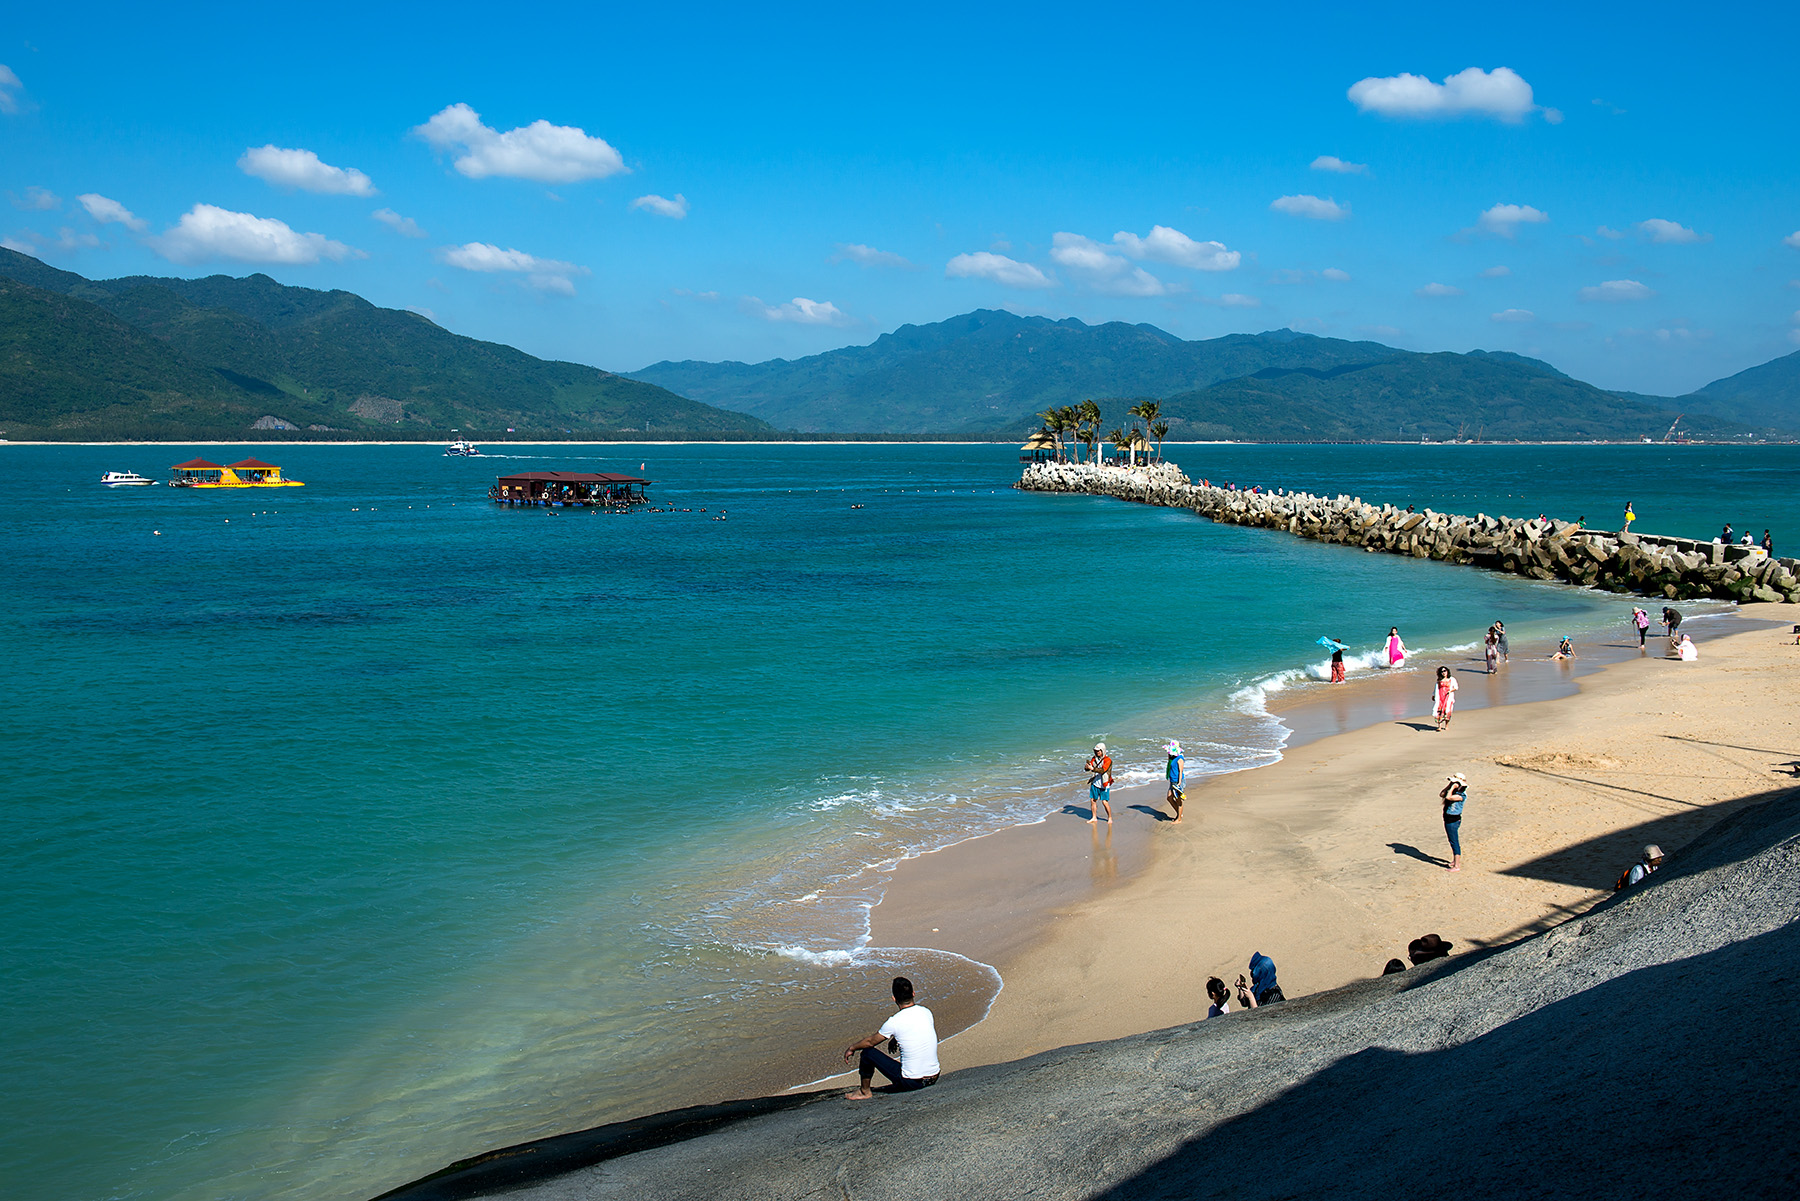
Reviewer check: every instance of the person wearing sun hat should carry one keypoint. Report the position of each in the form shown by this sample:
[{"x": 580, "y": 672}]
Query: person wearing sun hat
[
  {"x": 1453, "y": 794},
  {"x": 1177, "y": 773},
  {"x": 1099, "y": 783}
]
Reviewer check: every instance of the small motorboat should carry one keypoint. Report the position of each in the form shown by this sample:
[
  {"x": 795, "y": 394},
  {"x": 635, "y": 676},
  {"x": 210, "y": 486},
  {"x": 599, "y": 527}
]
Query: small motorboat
[
  {"x": 125, "y": 479},
  {"x": 462, "y": 450}
]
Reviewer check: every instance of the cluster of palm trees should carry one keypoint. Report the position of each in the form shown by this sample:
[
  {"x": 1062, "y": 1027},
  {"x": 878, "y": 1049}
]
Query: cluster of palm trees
[{"x": 1080, "y": 424}]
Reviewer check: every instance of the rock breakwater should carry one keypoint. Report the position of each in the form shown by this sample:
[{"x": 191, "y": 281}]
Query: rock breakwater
[{"x": 1645, "y": 564}]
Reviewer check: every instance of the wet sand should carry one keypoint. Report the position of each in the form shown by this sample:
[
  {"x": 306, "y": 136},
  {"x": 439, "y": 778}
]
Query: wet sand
[{"x": 1333, "y": 859}]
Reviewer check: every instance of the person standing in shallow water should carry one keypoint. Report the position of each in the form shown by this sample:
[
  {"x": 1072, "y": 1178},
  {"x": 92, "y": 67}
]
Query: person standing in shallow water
[
  {"x": 1500, "y": 642},
  {"x": 1641, "y": 620},
  {"x": 1453, "y": 794},
  {"x": 1396, "y": 649},
  {"x": 1337, "y": 661}
]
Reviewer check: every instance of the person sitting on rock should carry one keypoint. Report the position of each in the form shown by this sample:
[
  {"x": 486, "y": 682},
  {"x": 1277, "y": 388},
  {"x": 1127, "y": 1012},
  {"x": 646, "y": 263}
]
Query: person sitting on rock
[
  {"x": 914, "y": 1032},
  {"x": 1394, "y": 967},
  {"x": 1221, "y": 1000},
  {"x": 1653, "y": 859}
]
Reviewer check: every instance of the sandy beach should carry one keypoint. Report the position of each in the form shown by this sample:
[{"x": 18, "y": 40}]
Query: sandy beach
[{"x": 1333, "y": 859}]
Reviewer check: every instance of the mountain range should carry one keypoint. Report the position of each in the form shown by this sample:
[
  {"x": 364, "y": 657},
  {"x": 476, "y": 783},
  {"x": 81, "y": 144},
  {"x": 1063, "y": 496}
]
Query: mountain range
[
  {"x": 993, "y": 371},
  {"x": 177, "y": 359},
  {"x": 145, "y": 357}
]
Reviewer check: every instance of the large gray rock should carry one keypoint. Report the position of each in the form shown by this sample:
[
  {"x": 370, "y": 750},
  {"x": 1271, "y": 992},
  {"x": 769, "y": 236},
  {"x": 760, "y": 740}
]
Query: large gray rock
[{"x": 1648, "y": 1048}]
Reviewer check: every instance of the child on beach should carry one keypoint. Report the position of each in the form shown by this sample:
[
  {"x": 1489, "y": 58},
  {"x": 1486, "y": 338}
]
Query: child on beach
[
  {"x": 1177, "y": 774},
  {"x": 1100, "y": 783},
  {"x": 1454, "y": 793},
  {"x": 1446, "y": 697}
]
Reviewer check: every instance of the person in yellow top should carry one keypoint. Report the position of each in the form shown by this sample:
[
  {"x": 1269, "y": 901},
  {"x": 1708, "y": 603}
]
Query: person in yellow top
[{"x": 1629, "y": 517}]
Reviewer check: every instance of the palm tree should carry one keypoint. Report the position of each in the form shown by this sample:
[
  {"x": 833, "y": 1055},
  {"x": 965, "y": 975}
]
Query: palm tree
[
  {"x": 1054, "y": 426},
  {"x": 1120, "y": 440},
  {"x": 1147, "y": 409},
  {"x": 1070, "y": 420},
  {"x": 1089, "y": 412},
  {"x": 1159, "y": 431}
]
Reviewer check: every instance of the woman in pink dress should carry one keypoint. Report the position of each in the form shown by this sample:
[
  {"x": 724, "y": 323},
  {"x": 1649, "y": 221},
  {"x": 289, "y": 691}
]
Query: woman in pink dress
[
  {"x": 1446, "y": 697},
  {"x": 1396, "y": 649}
]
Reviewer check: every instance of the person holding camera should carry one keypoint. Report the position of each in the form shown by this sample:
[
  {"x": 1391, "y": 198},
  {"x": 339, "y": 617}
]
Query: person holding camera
[
  {"x": 1099, "y": 765},
  {"x": 1453, "y": 794}
]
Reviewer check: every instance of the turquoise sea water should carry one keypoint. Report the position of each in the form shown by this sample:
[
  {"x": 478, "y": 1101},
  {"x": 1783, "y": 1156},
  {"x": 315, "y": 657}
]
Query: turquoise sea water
[{"x": 362, "y": 826}]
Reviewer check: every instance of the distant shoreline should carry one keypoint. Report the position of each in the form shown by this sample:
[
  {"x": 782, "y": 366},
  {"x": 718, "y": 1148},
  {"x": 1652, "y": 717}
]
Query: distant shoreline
[{"x": 845, "y": 441}]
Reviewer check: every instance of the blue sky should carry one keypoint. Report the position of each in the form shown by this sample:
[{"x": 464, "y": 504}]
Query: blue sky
[{"x": 1614, "y": 190}]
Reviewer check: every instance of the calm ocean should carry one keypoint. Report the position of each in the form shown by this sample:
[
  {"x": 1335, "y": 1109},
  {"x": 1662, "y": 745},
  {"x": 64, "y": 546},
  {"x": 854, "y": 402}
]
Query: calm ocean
[{"x": 363, "y": 826}]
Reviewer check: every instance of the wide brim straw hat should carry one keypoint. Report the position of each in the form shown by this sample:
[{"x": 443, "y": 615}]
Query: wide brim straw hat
[{"x": 1458, "y": 778}]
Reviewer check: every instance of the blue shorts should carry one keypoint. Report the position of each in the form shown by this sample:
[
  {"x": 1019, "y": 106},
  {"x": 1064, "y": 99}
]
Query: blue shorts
[{"x": 1097, "y": 793}]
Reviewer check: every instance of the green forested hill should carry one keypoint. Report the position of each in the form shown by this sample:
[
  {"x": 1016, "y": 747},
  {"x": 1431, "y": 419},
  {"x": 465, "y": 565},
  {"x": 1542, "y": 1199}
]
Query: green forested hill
[
  {"x": 1411, "y": 396},
  {"x": 172, "y": 358},
  {"x": 1765, "y": 395},
  {"x": 989, "y": 370}
]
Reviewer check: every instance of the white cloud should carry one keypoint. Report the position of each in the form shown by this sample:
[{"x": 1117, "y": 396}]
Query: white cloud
[
  {"x": 1512, "y": 316},
  {"x": 1505, "y": 219},
  {"x": 1165, "y": 245},
  {"x": 867, "y": 256},
  {"x": 997, "y": 267},
  {"x": 208, "y": 232},
  {"x": 1658, "y": 230},
  {"x": 107, "y": 211},
  {"x": 404, "y": 226},
  {"x": 662, "y": 206},
  {"x": 1237, "y": 300},
  {"x": 1101, "y": 269},
  {"x": 1617, "y": 289},
  {"x": 799, "y": 311},
  {"x": 303, "y": 169},
  {"x": 1499, "y": 93},
  {"x": 1335, "y": 274},
  {"x": 1792, "y": 239},
  {"x": 36, "y": 199},
  {"x": 546, "y": 275},
  {"x": 9, "y": 89},
  {"x": 1311, "y": 206},
  {"x": 1331, "y": 162},
  {"x": 1496, "y": 272},
  {"x": 1435, "y": 289},
  {"x": 540, "y": 151}
]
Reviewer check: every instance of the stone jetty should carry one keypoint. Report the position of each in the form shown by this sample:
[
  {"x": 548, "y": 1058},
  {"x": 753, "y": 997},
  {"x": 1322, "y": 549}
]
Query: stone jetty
[{"x": 1645, "y": 564}]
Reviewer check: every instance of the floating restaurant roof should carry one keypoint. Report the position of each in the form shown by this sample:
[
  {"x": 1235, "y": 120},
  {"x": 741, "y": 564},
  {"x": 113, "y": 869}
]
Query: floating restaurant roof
[
  {"x": 255, "y": 465},
  {"x": 198, "y": 465},
  {"x": 573, "y": 477}
]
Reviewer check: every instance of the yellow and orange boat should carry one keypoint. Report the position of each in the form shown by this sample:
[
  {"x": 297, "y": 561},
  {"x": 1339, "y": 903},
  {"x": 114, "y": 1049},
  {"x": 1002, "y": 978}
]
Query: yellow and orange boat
[{"x": 250, "y": 473}]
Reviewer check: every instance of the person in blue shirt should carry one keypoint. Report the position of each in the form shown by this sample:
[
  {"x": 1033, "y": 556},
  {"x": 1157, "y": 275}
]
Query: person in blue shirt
[
  {"x": 1453, "y": 794},
  {"x": 1177, "y": 772}
]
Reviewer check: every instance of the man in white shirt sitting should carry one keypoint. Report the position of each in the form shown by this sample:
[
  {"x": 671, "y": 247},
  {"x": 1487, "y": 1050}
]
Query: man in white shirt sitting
[{"x": 914, "y": 1030}]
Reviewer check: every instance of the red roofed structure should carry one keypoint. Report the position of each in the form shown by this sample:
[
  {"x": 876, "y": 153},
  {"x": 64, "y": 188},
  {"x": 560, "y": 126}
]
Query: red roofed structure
[{"x": 576, "y": 489}]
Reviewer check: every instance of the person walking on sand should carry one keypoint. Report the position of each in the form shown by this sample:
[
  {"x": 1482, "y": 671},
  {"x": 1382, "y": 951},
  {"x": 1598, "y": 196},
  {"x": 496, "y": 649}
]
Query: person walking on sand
[
  {"x": 1099, "y": 783},
  {"x": 1177, "y": 774},
  {"x": 1446, "y": 697},
  {"x": 1396, "y": 649},
  {"x": 1641, "y": 620},
  {"x": 915, "y": 1033},
  {"x": 1453, "y": 794}
]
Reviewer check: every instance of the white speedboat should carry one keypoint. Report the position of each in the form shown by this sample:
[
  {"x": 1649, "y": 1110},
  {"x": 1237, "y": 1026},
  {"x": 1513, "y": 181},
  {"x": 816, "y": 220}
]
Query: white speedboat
[
  {"x": 462, "y": 450},
  {"x": 125, "y": 479}
]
